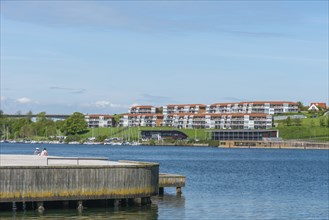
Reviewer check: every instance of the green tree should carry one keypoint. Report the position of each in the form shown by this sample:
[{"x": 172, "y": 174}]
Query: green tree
[
  {"x": 17, "y": 124},
  {"x": 44, "y": 127},
  {"x": 29, "y": 115},
  {"x": 27, "y": 131},
  {"x": 75, "y": 124},
  {"x": 116, "y": 119},
  {"x": 301, "y": 107}
]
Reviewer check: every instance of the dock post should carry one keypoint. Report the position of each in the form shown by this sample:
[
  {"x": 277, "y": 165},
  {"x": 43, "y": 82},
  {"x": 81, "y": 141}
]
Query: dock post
[
  {"x": 80, "y": 206},
  {"x": 24, "y": 206},
  {"x": 41, "y": 208},
  {"x": 178, "y": 190},
  {"x": 161, "y": 190},
  {"x": 14, "y": 206},
  {"x": 116, "y": 203}
]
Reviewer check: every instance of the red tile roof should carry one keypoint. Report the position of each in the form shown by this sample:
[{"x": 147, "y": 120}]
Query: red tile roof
[
  {"x": 319, "y": 104},
  {"x": 142, "y": 106}
]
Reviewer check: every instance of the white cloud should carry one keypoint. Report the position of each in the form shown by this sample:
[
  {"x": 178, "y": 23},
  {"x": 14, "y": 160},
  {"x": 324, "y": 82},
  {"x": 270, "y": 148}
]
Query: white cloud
[
  {"x": 24, "y": 100},
  {"x": 106, "y": 104}
]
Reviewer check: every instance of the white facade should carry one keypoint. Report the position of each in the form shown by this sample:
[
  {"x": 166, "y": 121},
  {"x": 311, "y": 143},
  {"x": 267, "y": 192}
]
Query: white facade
[
  {"x": 188, "y": 108},
  {"x": 218, "y": 121},
  {"x": 253, "y": 107},
  {"x": 99, "y": 121},
  {"x": 142, "y": 120},
  {"x": 142, "y": 110}
]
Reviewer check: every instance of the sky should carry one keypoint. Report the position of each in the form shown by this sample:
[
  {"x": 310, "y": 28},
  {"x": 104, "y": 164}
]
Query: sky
[{"x": 101, "y": 57}]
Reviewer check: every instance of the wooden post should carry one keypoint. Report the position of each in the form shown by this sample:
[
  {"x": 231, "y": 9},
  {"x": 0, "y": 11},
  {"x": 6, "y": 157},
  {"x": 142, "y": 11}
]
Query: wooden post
[
  {"x": 178, "y": 190},
  {"x": 80, "y": 206},
  {"x": 14, "y": 206},
  {"x": 41, "y": 208},
  {"x": 116, "y": 203},
  {"x": 24, "y": 206}
]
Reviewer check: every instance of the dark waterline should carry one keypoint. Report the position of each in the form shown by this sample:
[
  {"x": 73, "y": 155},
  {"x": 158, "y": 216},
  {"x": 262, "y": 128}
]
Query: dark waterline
[{"x": 220, "y": 183}]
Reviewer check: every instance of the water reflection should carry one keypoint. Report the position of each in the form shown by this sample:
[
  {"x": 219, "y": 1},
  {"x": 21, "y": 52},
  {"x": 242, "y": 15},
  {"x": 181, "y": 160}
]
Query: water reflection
[
  {"x": 148, "y": 212},
  {"x": 168, "y": 203}
]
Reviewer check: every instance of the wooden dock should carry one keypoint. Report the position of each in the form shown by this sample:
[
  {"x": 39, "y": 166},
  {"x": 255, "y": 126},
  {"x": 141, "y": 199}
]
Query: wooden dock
[{"x": 35, "y": 179}]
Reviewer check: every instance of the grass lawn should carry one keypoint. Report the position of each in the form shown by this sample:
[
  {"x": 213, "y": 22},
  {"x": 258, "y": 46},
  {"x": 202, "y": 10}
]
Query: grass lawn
[{"x": 309, "y": 129}]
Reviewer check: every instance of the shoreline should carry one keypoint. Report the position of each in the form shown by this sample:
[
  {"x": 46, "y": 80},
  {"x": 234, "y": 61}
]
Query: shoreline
[{"x": 296, "y": 145}]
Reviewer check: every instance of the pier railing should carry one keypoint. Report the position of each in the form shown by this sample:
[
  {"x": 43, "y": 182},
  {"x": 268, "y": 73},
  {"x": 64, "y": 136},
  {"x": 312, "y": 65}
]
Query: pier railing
[{"x": 77, "y": 159}]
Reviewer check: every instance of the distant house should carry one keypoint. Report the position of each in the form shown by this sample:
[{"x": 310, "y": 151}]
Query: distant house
[
  {"x": 99, "y": 121},
  {"x": 142, "y": 109},
  {"x": 316, "y": 106}
]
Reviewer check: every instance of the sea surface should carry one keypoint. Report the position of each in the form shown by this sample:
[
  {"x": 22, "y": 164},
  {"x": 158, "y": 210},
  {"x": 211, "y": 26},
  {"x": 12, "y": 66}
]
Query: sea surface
[{"x": 220, "y": 183}]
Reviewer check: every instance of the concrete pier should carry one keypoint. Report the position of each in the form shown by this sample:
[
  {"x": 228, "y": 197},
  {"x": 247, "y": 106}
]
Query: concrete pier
[
  {"x": 37, "y": 179},
  {"x": 171, "y": 180}
]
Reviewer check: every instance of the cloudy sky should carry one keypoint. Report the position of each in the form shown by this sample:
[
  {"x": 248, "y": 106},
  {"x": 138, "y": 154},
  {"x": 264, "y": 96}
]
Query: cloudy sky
[{"x": 104, "y": 56}]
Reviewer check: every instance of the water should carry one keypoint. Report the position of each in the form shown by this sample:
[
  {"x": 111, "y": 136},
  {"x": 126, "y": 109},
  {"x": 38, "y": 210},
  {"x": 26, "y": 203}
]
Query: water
[{"x": 220, "y": 183}]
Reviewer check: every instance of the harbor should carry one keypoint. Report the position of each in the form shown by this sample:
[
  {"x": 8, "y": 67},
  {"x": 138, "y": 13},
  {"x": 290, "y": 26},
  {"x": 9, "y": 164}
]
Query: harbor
[
  {"x": 35, "y": 182},
  {"x": 220, "y": 183}
]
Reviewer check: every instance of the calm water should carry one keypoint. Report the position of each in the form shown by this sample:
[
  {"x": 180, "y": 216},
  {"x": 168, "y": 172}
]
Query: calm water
[{"x": 220, "y": 183}]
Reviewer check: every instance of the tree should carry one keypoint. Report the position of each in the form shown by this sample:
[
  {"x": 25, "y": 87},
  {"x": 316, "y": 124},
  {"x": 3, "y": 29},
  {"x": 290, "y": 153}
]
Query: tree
[
  {"x": 75, "y": 124},
  {"x": 29, "y": 115},
  {"x": 301, "y": 107},
  {"x": 26, "y": 131},
  {"x": 116, "y": 119},
  {"x": 44, "y": 126}
]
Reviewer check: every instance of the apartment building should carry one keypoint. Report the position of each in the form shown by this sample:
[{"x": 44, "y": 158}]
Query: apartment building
[
  {"x": 142, "y": 109},
  {"x": 218, "y": 121},
  {"x": 240, "y": 121},
  {"x": 141, "y": 120},
  {"x": 184, "y": 108},
  {"x": 99, "y": 121},
  {"x": 273, "y": 107}
]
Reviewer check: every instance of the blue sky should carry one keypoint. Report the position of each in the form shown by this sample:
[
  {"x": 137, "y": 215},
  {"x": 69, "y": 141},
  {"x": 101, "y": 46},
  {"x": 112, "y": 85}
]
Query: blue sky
[{"x": 104, "y": 56}]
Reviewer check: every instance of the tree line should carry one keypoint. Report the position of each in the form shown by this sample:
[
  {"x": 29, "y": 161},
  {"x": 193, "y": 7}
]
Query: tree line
[{"x": 42, "y": 127}]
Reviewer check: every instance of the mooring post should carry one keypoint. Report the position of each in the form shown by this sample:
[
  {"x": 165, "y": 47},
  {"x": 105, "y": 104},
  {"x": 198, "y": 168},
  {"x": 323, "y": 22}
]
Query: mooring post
[
  {"x": 24, "y": 206},
  {"x": 14, "y": 206},
  {"x": 116, "y": 203},
  {"x": 161, "y": 190},
  {"x": 80, "y": 206},
  {"x": 178, "y": 190},
  {"x": 41, "y": 208}
]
